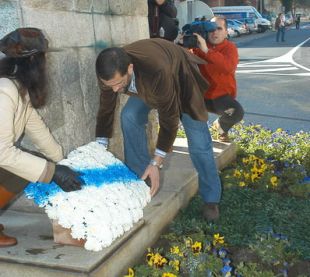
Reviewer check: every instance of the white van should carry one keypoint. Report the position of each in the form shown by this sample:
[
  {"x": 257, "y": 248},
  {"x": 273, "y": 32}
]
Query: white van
[{"x": 238, "y": 12}]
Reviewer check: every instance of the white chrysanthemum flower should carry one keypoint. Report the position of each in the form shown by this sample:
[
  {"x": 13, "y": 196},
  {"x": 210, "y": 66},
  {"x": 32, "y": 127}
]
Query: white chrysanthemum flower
[{"x": 101, "y": 213}]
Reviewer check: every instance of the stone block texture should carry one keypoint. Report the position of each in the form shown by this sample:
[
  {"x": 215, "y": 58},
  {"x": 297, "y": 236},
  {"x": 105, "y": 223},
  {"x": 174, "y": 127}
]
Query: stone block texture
[{"x": 77, "y": 31}]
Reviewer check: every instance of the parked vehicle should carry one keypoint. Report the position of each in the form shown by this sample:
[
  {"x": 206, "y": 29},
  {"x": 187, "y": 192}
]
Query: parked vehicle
[
  {"x": 243, "y": 25},
  {"x": 238, "y": 28},
  {"x": 238, "y": 12},
  {"x": 250, "y": 24},
  {"x": 271, "y": 16},
  {"x": 231, "y": 32}
]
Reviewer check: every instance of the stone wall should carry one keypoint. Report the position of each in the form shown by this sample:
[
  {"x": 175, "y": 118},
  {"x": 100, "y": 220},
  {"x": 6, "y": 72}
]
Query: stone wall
[{"x": 77, "y": 31}]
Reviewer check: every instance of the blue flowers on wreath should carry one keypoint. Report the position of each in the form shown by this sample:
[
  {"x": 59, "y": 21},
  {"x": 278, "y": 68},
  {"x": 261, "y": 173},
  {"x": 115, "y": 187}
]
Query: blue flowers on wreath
[{"x": 41, "y": 192}]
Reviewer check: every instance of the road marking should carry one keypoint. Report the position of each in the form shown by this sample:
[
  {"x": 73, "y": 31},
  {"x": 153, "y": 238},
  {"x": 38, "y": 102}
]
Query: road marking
[
  {"x": 282, "y": 63},
  {"x": 269, "y": 70},
  {"x": 270, "y": 65}
]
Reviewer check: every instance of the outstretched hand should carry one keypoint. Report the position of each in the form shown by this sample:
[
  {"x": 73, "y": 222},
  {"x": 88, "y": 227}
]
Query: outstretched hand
[{"x": 152, "y": 172}]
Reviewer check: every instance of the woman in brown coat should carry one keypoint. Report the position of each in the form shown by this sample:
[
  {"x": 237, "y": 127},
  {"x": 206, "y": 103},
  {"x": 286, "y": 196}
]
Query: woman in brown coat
[{"x": 22, "y": 91}]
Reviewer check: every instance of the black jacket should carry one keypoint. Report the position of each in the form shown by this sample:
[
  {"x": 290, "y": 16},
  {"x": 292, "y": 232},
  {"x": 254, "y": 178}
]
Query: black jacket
[{"x": 162, "y": 16}]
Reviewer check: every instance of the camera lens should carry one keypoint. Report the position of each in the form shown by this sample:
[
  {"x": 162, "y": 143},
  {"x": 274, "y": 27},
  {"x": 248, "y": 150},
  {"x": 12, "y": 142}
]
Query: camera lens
[{"x": 190, "y": 41}]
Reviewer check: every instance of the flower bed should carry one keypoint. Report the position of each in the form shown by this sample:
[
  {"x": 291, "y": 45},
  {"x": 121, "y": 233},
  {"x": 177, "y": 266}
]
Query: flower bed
[{"x": 264, "y": 224}]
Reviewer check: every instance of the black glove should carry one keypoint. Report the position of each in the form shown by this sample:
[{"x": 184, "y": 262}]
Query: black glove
[{"x": 66, "y": 178}]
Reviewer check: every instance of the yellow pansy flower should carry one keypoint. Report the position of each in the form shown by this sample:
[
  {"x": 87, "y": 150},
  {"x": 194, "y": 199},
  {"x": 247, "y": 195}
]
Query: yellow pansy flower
[
  {"x": 274, "y": 181},
  {"x": 237, "y": 173},
  {"x": 159, "y": 260},
  {"x": 176, "y": 250},
  {"x": 217, "y": 239},
  {"x": 245, "y": 160},
  {"x": 188, "y": 242},
  {"x": 242, "y": 184},
  {"x": 168, "y": 274},
  {"x": 254, "y": 177},
  {"x": 246, "y": 175},
  {"x": 150, "y": 258},
  {"x": 196, "y": 247},
  {"x": 175, "y": 264},
  {"x": 260, "y": 161},
  {"x": 131, "y": 273},
  {"x": 253, "y": 158}
]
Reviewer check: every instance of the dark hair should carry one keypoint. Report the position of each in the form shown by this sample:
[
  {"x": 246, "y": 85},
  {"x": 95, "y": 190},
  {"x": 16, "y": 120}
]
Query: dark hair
[
  {"x": 110, "y": 61},
  {"x": 222, "y": 17},
  {"x": 30, "y": 74}
]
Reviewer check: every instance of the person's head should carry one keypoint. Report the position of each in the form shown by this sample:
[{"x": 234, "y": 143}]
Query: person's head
[
  {"x": 114, "y": 69},
  {"x": 220, "y": 33},
  {"x": 25, "y": 50}
]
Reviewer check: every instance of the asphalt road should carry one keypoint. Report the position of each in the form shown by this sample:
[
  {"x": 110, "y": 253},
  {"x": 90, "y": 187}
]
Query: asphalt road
[{"x": 274, "y": 79}]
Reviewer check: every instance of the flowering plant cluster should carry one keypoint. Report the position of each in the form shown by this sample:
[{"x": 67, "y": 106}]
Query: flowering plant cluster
[
  {"x": 211, "y": 258},
  {"x": 272, "y": 249},
  {"x": 251, "y": 171},
  {"x": 187, "y": 257},
  {"x": 279, "y": 145},
  {"x": 270, "y": 160},
  {"x": 264, "y": 232}
]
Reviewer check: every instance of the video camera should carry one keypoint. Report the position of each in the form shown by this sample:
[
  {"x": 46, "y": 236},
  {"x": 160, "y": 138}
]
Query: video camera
[{"x": 201, "y": 27}]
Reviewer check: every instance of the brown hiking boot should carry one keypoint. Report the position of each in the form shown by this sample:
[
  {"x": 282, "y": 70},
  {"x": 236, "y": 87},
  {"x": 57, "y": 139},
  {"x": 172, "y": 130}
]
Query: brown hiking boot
[
  {"x": 223, "y": 137},
  {"x": 210, "y": 211},
  {"x": 6, "y": 241}
]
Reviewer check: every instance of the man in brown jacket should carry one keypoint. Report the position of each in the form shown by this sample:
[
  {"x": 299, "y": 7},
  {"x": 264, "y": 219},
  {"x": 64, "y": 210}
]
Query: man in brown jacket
[{"x": 158, "y": 75}]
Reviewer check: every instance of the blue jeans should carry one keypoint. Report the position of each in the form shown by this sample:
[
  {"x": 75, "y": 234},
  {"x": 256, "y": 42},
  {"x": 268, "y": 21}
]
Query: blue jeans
[
  {"x": 282, "y": 31},
  {"x": 134, "y": 118}
]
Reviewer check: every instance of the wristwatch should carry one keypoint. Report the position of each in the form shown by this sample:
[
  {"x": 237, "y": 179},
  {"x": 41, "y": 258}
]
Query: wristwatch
[{"x": 154, "y": 163}]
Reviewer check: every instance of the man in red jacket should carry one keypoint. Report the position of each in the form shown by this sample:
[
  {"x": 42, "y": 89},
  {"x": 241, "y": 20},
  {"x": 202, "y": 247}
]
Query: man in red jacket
[{"x": 222, "y": 59}]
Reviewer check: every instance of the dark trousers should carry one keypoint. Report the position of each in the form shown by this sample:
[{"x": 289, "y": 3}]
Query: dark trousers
[
  {"x": 10, "y": 186},
  {"x": 229, "y": 110}
]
